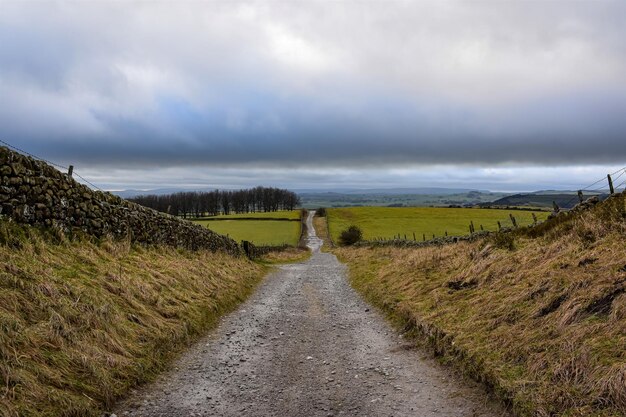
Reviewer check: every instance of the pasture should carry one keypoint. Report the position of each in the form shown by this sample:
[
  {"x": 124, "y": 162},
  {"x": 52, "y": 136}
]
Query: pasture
[
  {"x": 273, "y": 228},
  {"x": 282, "y": 214},
  {"x": 387, "y": 222}
]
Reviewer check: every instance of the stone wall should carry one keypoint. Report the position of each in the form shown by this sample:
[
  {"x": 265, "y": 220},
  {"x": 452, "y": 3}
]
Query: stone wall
[{"x": 35, "y": 193}]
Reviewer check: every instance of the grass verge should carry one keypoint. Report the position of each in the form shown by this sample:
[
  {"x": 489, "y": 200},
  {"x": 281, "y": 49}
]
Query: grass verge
[
  {"x": 83, "y": 321},
  {"x": 540, "y": 318},
  {"x": 288, "y": 256}
]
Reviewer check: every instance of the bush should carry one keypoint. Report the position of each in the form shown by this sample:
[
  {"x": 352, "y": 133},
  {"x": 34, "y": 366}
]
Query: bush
[
  {"x": 320, "y": 212},
  {"x": 504, "y": 241},
  {"x": 350, "y": 236}
]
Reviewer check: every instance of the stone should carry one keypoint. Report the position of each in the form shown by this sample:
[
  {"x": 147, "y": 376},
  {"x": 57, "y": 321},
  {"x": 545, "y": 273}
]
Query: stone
[
  {"x": 15, "y": 181},
  {"x": 18, "y": 169},
  {"x": 33, "y": 192}
]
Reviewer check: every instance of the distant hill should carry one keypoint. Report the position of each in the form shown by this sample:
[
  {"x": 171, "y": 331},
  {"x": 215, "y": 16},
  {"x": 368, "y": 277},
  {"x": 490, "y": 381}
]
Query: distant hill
[
  {"x": 564, "y": 199},
  {"x": 330, "y": 192},
  {"x": 406, "y": 197},
  {"x": 393, "y": 191},
  {"x": 393, "y": 198}
]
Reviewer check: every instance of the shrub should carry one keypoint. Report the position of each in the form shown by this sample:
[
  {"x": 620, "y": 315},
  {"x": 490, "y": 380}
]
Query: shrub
[
  {"x": 320, "y": 212},
  {"x": 504, "y": 241},
  {"x": 350, "y": 236}
]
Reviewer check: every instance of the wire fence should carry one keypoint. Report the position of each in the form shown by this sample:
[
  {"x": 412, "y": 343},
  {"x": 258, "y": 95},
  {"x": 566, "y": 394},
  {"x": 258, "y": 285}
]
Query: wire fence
[
  {"x": 54, "y": 164},
  {"x": 605, "y": 188}
]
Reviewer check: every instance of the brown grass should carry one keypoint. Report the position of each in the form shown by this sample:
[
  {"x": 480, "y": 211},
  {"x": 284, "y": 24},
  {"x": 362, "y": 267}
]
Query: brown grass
[
  {"x": 542, "y": 322},
  {"x": 82, "y": 321},
  {"x": 289, "y": 255}
]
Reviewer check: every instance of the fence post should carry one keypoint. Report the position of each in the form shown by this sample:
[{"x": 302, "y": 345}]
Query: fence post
[
  {"x": 556, "y": 207},
  {"x": 472, "y": 226},
  {"x": 611, "y": 189},
  {"x": 482, "y": 228},
  {"x": 433, "y": 235},
  {"x": 513, "y": 220},
  {"x": 499, "y": 225},
  {"x": 534, "y": 218},
  {"x": 414, "y": 237},
  {"x": 446, "y": 233},
  {"x": 580, "y": 196},
  {"x": 424, "y": 236},
  {"x": 70, "y": 170}
]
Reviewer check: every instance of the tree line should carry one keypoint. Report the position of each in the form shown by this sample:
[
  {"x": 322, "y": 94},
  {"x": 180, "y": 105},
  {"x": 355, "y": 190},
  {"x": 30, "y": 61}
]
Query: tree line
[{"x": 213, "y": 203}]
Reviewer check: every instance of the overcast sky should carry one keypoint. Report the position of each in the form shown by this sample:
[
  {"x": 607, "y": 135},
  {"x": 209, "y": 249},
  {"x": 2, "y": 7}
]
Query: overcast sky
[{"x": 499, "y": 94}]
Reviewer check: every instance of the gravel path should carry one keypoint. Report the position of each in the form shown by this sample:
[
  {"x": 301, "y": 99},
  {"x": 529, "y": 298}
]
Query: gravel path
[{"x": 306, "y": 344}]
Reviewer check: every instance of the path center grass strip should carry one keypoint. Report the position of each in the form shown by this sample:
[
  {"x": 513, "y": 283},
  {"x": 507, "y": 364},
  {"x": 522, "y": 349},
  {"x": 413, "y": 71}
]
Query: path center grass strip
[{"x": 387, "y": 222}]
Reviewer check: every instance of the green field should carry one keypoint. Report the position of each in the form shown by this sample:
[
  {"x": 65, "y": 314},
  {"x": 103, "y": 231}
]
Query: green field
[
  {"x": 284, "y": 214},
  {"x": 259, "y": 232},
  {"x": 386, "y": 222}
]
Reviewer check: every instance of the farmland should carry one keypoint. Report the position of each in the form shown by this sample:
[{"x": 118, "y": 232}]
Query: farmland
[
  {"x": 282, "y": 214},
  {"x": 272, "y": 228},
  {"x": 387, "y": 222}
]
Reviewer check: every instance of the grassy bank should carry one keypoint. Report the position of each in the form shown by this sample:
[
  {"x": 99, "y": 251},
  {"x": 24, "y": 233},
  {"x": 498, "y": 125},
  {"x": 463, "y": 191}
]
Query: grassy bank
[
  {"x": 387, "y": 222},
  {"x": 540, "y": 316},
  {"x": 82, "y": 321},
  {"x": 288, "y": 256}
]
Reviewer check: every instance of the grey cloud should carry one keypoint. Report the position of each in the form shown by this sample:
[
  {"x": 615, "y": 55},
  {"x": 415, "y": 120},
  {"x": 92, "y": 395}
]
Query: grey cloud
[{"x": 315, "y": 83}]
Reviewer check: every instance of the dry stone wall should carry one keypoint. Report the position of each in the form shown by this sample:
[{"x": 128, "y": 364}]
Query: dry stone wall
[{"x": 35, "y": 193}]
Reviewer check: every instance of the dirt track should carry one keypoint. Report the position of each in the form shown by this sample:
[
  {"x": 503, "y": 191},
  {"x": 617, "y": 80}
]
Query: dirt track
[{"x": 306, "y": 344}]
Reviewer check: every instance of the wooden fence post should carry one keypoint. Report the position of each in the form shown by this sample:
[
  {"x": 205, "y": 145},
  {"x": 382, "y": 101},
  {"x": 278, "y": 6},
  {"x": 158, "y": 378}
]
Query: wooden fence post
[
  {"x": 555, "y": 207},
  {"x": 414, "y": 237},
  {"x": 513, "y": 220},
  {"x": 499, "y": 225},
  {"x": 424, "y": 236},
  {"x": 534, "y": 218},
  {"x": 580, "y": 196},
  {"x": 70, "y": 170},
  {"x": 611, "y": 189},
  {"x": 446, "y": 233}
]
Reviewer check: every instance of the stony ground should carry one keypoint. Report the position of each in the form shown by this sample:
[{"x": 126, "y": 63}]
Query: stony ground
[{"x": 306, "y": 344}]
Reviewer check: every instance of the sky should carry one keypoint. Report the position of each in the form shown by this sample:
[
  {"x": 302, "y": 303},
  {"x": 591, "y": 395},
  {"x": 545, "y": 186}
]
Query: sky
[{"x": 506, "y": 95}]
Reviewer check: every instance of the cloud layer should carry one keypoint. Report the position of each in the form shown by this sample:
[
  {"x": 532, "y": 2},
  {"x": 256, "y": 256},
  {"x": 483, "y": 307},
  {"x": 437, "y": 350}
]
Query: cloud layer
[{"x": 333, "y": 84}]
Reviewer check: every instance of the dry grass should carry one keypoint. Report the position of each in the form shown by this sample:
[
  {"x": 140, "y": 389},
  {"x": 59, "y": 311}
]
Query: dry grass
[
  {"x": 82, "y": 321},
  {"x": 542, "y": 322},
  {"x": 289, "y": 255}
]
